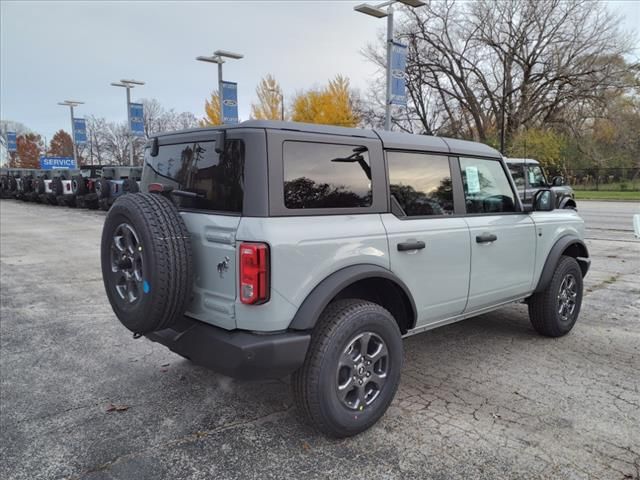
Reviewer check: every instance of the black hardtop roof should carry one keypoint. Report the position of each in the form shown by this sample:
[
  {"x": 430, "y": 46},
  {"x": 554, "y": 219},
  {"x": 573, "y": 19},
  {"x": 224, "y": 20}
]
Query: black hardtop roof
[{"x": 391, "y": 140}]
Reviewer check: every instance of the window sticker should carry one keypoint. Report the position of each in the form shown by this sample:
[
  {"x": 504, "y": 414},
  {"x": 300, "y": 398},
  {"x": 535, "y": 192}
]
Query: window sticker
[
  {"x": 532, "y": 177},
  {"x": 473, "y": 180}
]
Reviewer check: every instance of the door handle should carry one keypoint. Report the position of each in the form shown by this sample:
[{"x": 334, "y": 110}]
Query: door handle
[
  {"x": 406, "y": 246},
  {"x": 486, "y": 238}
]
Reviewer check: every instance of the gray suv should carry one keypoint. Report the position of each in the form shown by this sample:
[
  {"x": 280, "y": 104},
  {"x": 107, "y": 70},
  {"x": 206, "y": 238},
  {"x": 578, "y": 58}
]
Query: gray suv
[
  {"x": 268, "y": 248},
  {"x": 529, "y": 177}
]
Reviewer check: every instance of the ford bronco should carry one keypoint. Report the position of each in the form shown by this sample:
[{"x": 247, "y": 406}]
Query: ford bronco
[
  {"x": 270, "y": 248},
  {"x": 529, "y": 177}
]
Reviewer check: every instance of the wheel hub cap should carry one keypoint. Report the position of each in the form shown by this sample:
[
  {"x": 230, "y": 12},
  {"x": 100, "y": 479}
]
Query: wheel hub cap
[
  {"x": 567, "y": 297},
  {"x": 127, "y": 263},
  {"x": 362, "y": 370}
]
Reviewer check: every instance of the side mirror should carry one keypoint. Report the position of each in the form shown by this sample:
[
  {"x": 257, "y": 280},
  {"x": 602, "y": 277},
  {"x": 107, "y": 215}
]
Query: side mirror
[
  {"x": 544, "y": 201},
  {"x": 557, "y": 181}
]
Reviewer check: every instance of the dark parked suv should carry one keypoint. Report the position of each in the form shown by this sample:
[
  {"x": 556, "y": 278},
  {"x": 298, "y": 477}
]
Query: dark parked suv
[{"x": 529, "y": 177}]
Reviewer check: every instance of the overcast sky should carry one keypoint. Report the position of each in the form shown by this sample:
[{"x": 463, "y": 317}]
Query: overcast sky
[{"x": 52, "y": 51}]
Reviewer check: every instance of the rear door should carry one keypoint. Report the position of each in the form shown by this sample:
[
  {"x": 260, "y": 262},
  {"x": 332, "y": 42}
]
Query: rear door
[
  {"x": 210, "y": 192},
  {"x": 502, "y": 237},
  {"x": 428, "y": 244}
]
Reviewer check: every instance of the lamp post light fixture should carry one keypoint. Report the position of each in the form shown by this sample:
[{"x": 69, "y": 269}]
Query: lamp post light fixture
[
  {"x": 128, "y": 84},
  {"x": 218, "y": 57},
  {"x": 71, "y": 104},
  {"x": 378, "y": 12}
]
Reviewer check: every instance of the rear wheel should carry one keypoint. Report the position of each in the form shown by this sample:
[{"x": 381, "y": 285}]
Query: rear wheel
[
  {"x": 352, "y": 368},
  {"x": 554, "y": 311}
]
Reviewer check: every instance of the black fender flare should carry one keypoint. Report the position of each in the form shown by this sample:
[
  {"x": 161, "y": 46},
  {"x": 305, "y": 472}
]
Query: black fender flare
[
  {"x": 567, "y": 200},
  {"x": 554, "y": 257},
  {"x": 309, "y": 311}
]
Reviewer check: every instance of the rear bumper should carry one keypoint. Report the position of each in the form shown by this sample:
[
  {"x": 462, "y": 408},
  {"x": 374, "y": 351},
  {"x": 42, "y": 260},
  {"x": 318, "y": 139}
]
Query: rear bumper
[{"x": 236, "y": 353}]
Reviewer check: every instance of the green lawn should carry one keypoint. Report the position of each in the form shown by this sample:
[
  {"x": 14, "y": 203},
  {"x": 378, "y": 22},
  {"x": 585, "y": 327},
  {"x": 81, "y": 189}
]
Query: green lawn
[{"x": 607, "y": 195}]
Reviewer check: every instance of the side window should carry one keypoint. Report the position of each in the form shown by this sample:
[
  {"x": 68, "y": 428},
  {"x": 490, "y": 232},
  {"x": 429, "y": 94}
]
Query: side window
[
  {"x": 323, "y": 175},
  {"x": 536, "y": 177},
  {"x": 517, "y": 174},
  {"x": 420, "y": 183},
  {"x": 486, "y": 186}
]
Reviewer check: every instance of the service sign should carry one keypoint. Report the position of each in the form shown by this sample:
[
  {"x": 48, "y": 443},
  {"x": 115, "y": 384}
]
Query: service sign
[
  {"x": 136, "y": 117},
  {"x": 49, "y": 163},
  {"x": 12, "y": 144},
  {"x": 398, "y": 67},
  {"x": 229, "y": 102},
  {"x": 79, "y": 131}
]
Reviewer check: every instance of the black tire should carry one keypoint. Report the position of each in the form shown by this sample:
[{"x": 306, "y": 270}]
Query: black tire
[
  {"x": 130, "y": 186},
  {"x": 39, "y": 187},
  {"x": 315, "y": 384},
  {"x": 159, "y": 260},
  {"x": 546, "y": 312},
  {"x": 56, "y": 187},
  {"x": 13, "y": 184},
  {"x": 103, "y": 188},
  {"x": 79, "y": 185}
]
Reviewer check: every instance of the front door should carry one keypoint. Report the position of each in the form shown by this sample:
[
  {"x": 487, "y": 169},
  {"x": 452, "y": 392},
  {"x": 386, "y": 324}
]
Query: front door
[
  {"x": 502, "y": 238},
  {"x": 429, "y": 248}
]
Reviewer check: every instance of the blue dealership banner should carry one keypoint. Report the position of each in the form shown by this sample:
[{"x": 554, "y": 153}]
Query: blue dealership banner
[
  {"x": 398, "y": 67},
  {"x": 136, "y": 117},
  {"x": 48, "y": 163},
  {"x": 229, "y": 102},
  {"x": 79, "y": 131},
  {"x": 12, "y": 144}
]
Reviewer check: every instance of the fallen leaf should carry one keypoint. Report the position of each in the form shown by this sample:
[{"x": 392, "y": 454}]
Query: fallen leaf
[
  {"x": 164, "y": 370},
  {"x": 117, "y": 408},
  {"x": 306, "y": 446}
]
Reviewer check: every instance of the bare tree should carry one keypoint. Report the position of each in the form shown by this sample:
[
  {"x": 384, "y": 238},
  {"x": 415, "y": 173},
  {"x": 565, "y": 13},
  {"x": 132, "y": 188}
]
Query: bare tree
[{"x": 469, "y": 62}]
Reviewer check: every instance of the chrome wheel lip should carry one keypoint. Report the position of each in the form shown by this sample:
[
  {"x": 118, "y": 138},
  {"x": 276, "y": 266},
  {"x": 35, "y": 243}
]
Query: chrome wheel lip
[
  {"x": 362, "y": 370},
  {"x": 127, "y": 263},
  {"x": 567, "y": 297}
]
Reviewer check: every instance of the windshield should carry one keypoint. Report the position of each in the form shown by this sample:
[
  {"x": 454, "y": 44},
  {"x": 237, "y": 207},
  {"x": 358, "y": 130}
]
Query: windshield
[
  {"x": 196, "y": 167},
  {"x": 536, "y": 177}
]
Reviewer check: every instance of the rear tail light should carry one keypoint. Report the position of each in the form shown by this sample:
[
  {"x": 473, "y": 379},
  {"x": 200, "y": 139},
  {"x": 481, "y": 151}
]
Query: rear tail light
[{"x": 254, "y": 273}]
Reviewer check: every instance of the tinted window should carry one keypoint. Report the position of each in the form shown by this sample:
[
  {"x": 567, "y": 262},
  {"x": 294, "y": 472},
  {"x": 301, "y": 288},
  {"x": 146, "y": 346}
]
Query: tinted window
[
  {"x": 517, "y": 174},
  {"x": 217, "y": 180},
  {"x": 322, "y": 175},
  {"x": 486, "y": 186},
  {"x": 421, "y": 184}
]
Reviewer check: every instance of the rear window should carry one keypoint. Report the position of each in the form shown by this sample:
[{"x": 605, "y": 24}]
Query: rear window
[
  {"x": 217, "y": 179},
  {"x": 324, "y": 175}
]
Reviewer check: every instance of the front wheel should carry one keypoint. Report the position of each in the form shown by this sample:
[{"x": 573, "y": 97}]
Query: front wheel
[
  {"x": 352, "y": 369},
  {"x": 554, "y": 311}
]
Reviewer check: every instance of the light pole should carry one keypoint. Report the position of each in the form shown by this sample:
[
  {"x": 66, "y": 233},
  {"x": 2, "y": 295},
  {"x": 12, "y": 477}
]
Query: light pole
[
  {"x": 71, "y": 104},
  {"x": 218, "y": 57},
  {"x": 128, "y": 84},
  {"x": 377, "y": 12}
]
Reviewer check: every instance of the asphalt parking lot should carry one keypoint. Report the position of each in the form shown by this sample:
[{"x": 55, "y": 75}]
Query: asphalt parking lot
[{"x": 482, "y": 399}]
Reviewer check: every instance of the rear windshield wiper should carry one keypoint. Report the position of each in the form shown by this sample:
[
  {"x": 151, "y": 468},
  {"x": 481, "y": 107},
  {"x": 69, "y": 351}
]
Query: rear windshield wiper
[
  {"x": 356, "y": 157},
  {"x": 185, "y": 193}
]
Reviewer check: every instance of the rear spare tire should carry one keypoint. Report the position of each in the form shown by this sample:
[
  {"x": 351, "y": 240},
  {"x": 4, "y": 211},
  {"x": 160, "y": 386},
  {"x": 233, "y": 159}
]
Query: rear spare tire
[
  {"x": 103, "y": 188},
  {"x": 146, "y": 262}
]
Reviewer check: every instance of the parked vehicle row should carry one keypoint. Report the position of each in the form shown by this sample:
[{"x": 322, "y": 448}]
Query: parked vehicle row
[{"x": 90, "y": 186}]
